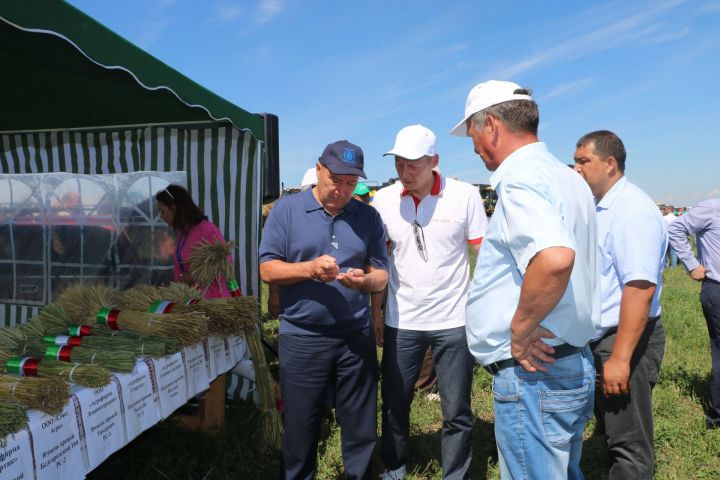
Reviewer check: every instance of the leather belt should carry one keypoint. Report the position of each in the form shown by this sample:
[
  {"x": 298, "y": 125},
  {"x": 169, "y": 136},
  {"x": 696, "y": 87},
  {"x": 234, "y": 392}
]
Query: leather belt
[{"x": 561, "y": 351}]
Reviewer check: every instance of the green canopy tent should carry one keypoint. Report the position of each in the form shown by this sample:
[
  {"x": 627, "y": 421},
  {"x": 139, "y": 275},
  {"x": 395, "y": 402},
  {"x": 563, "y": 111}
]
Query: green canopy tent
[{"x": 75, "y": 97}]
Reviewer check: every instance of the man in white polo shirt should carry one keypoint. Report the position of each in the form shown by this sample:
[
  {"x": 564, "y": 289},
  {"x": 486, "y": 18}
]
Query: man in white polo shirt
[{"x": 429, "y": 221}]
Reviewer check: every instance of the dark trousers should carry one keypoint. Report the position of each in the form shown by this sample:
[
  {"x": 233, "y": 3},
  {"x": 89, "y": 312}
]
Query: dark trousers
[
  {"x": 403, "y": 352},
  {"x": 628, "y": 419},
  {"x": 710, "y": 301},
  {"x": 307, "y": 365},
  {"x": 427, "y": 380}
]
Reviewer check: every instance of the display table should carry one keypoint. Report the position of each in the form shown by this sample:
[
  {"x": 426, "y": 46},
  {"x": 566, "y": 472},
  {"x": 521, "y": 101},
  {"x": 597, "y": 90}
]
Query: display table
[{"x": 95, "y": 423}]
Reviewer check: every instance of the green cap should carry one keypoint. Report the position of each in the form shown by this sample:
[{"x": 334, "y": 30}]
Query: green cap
[{"x": 361, "y": 189}]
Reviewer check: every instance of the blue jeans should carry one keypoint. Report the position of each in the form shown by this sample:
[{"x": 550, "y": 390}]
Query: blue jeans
[
  {"x": 540, "y": 418},
  {"x": 403, "y": 354}
]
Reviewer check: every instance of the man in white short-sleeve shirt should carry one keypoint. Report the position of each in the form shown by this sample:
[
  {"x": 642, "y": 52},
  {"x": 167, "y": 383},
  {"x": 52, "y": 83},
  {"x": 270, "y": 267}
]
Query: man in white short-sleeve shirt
[
  {"x": 630, "y": 343},
  {"x": 429, "y": 220}
]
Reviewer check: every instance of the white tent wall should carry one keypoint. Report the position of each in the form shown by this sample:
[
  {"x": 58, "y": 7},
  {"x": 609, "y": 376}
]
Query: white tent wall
[{"x": 223, "y": 166}]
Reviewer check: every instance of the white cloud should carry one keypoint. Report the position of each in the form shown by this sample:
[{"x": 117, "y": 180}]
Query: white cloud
[
  {"x": 670, "y": 36},
  {"x": 566, "y": 88},
  {"x": 227, "y": 11},
  {"x": 269, "y": 9},
  {"x": 157, "y": 20},
  {"x": 709, "y": 7},
  {"x": 619, "y": 33}
]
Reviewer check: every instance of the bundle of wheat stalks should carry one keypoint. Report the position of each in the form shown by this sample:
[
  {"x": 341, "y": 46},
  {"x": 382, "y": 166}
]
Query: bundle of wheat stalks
[
  {"x": 209, "y": 262},
  {"x": 46, "y": 394},
  {"x": 92, "y": 376},
  {"x": 230, "y": 315},
  {"x": 271, "y": 425},
  {"x": 221, "y": 315},
  {"x": 55, "y": 321},
  {"x": 13, "y": 418},
  {"x": 97, "y": 304},
  {"x": 20, "y": 342}
]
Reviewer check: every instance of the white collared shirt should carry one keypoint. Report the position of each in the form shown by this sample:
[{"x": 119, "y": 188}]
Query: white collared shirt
[
  {"x": 428, "y": 292},
  {"x": 541, "y": 204},
  {"x": 632, "y": 237}
]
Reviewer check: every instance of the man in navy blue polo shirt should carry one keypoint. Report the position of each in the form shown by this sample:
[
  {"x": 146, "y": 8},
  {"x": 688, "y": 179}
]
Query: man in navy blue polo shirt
[{"x": 327, "y": 252}]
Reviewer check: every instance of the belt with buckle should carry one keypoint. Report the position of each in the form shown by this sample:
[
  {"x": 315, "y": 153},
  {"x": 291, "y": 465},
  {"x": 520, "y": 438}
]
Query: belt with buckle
[{"x": 561, "y": 351}]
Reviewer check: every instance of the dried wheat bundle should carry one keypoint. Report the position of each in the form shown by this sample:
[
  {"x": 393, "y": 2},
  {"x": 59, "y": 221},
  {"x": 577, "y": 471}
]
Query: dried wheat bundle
[
  {"x": 101, "y": 302},
  {"x": 82, "y": 302},
  {"x": 13, "y": 418},
  {"x": 46, "y": 394},
  {"x": 221, "y": 318},
  {"x": 23, "y": 342},
  {"x": 109, "y": 343},
  {"x": 92, "y": 376},
  {"x": 271, "y": 425},
  {"x": 180, "y": 292},
  {"x": 221, "y": 314},
  {"x": 209, "y": 262},
  {"x": 55, "y": 322},
  {"x": 138, "y": 297}
]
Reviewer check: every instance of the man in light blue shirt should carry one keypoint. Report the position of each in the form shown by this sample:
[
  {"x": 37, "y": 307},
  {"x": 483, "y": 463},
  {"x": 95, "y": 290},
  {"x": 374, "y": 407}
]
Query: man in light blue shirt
[
  {"x": 629, "y": 345},
  {"x": 534, "y": 302},
  {"x": 703, "y": 221}
]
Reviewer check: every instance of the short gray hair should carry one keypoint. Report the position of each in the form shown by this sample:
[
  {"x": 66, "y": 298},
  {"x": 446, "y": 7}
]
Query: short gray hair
[{"x": 519, "y": 116}]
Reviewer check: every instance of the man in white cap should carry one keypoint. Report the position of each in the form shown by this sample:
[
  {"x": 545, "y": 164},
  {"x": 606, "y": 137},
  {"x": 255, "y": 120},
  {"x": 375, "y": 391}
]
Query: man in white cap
[
  {"x": 534, "y": 302},
  {"x": 429, "y": 221}
]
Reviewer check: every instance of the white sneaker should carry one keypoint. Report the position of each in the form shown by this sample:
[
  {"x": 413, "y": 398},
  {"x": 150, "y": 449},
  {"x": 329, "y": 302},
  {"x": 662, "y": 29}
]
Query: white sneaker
[{"x": 397, "y": 474}]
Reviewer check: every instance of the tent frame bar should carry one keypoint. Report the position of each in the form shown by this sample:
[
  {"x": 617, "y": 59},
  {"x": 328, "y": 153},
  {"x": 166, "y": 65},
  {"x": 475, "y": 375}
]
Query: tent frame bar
[{"x": 124, "y": 127}]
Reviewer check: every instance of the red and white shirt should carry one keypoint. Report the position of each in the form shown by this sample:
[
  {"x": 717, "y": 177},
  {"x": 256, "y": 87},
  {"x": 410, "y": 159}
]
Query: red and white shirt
[{"x": 429, "y": 259}]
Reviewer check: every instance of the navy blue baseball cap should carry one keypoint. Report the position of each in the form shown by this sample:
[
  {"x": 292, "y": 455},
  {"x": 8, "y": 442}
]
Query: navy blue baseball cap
[{"x": 343, "y": 158}]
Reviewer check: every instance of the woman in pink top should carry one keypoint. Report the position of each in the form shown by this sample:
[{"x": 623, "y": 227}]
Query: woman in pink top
[{"x": 191, "y": 226}]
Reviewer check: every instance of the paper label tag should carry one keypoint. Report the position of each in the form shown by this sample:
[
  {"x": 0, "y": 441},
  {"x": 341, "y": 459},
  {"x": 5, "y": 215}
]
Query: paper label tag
[
  {"x": 56, "y": 444},
  {"x": 238, "y": 348},
  {"x": 196, "y": 369},
  {"x": 141, "y": 407},
  {"x": 170, "y": 380},
  {"x": 102, "y": 422},
  {"x": 16, "y": 460},
  {"x": 220, "y": 356}
]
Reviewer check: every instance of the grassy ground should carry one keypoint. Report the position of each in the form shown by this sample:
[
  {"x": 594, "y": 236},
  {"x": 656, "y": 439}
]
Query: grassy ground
[{"x": 685, "y": 449}]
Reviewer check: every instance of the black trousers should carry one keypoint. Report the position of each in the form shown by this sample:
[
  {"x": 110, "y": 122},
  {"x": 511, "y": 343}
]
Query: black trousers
[
  {"x": 308, "y": 364},
  {"x": 628, "y": 419},
  {"x": 710, "y": 301}
]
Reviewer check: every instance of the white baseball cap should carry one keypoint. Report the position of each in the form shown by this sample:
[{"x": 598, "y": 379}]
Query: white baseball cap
[
  {"x": 484, "y": 95},
  {"x": 310, "y": 178},
  {"x": 413, "y": 143}
]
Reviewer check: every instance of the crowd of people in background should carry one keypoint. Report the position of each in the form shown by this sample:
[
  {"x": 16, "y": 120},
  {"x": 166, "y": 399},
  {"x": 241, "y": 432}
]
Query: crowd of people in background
[{"x": 563, "y": 308}]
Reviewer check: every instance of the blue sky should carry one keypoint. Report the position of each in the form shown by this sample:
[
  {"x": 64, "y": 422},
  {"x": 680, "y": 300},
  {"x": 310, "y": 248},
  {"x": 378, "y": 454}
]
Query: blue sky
[{"x": 649, "y": 71}]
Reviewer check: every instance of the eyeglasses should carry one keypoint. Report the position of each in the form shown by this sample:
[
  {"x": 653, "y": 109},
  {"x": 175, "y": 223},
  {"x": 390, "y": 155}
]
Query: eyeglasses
[{"x": 420, "y": 240}]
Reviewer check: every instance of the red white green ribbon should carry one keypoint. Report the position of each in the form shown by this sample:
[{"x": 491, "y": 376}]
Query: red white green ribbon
[
  {"x": 192, "y": 301},
  {"x": 234, "y": 288},
  {"x": 57, "y": 352},
  {"x": 72, "y": 341},
  {"x": 108, "y": 317},
  {"x": 80, "y": 330},
  {"x": 25, "y": 366},
  {"x": 161, "y": 306}
]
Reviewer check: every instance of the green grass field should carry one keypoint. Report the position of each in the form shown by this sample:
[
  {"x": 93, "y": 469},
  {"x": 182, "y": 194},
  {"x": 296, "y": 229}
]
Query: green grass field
[{"x": 684, "y": 448}]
